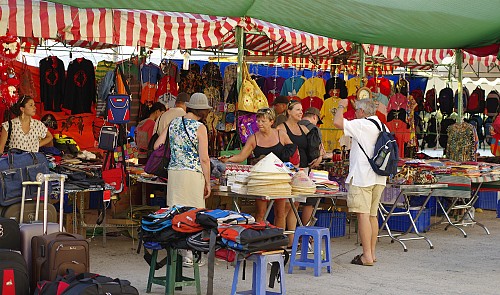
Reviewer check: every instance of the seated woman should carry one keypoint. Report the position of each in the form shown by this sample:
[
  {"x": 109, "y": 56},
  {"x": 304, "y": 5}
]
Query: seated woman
[
  {"x": 263, "y": 142},
  {"x": 26, "y": 133}
]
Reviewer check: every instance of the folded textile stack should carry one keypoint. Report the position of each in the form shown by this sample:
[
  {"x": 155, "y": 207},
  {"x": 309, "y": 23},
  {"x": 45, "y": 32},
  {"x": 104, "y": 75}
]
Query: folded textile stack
[
  {"x": 302, "y": 184},
  {"x": 269, "y": 177},
  {"x": 239, "y": 185}
]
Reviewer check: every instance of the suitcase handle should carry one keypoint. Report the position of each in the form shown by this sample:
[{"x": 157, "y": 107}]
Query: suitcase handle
[{"x": 46, "y": 178}]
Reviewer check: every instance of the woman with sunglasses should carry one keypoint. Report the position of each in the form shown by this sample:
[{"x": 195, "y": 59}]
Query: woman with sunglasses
[
  {"x": 263, "y": 142},
  {"x": 26, "y": 133}
]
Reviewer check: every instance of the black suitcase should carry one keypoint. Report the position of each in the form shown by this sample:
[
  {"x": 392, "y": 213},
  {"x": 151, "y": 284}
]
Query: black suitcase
[
  {"x": 14, "y": 278},
  {"x": 53, "y": 254},
  {"x": 10, "y": 236}
]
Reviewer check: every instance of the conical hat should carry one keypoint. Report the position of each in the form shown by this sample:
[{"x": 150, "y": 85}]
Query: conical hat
[
  {"x": 271, "y": 176},
  {"x": 271, "y": 164},
  {"x": 300, "y": 179}
]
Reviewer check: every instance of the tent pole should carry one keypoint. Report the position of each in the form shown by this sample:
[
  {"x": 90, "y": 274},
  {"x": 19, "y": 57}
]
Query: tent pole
[
  {"x": 362, "y": 62},
  {"x": 240, "y": 39},
  {"x": 458, "y": 62}
]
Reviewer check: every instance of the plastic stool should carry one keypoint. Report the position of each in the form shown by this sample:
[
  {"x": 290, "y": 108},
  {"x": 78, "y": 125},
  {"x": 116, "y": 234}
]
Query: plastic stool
[
  {"x": 173, "y": 274},
  {"x": 259, "y": 273},
  {"x": 318, "y": 234}
]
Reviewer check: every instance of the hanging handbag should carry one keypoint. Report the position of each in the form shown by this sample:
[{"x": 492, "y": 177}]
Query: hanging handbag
[
  {"x": 27, "y": 84},
  {"x": 112, "y": 175},
  {"x": 159, "y": 159},
  {"x": 247, "y": 125},
  {"x": 251, "y": 98},
  {"x": 108, "y": 138},
  {"x": 227, "y": 152},
  {"x": 118, "y": 108}
]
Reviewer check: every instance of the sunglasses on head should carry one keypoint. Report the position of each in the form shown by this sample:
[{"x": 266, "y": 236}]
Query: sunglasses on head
[{"x": 264, "y": 111}]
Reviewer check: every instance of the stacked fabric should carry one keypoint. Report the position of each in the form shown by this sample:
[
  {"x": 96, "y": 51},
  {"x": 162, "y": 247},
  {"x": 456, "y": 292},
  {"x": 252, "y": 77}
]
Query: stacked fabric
[
  {"x": 269, "y": 177},
  {"x": 302, "y": 184}
]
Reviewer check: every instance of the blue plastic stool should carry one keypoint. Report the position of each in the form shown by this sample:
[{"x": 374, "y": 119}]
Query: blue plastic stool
[
  {"x": 259, "y": 273},
  {"x": 318, "y": 234}
]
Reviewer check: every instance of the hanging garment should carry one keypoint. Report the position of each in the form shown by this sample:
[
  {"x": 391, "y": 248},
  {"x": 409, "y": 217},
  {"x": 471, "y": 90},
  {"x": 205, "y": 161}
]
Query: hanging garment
[
  {"x": 462, "y": 142},
  {"x": 190, "y": 80},
  {"x": 272, "y": 87},
  {"x": 52, "y": 83},
  {"x": 330, "y": 133},
  {"x": 311, "y": 101},
  {"x": 292, "y": 85},
  {"x": 401, "y": 134},
  {"x": 230, "y": 76},
  {"x": 380, "y": 85},
  {"x": 102, "y": 68},
  {"x": 80, "y": 86},
  {"x": 313, "y": 87},
  {"x": 150, "y": 75},
  {"x": 211, "y": 76},
  {"x": 353, "y": 85},
  {"x": 335, "y": 83},
  {"x": 397, "y": 101}
]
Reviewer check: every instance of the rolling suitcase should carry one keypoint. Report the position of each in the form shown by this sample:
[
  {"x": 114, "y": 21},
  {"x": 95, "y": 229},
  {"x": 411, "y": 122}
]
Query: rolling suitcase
[
  {"x": 14, "y": 211},
  {"x": 10, "y": 236},
  {"x": 54, "y": 253},
  {"x": 14, "y": 278},
  {"x": 32, "y": 227}
]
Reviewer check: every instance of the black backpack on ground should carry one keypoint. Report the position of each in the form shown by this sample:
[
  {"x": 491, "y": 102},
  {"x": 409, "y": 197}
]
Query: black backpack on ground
[
  {"x": 492, "y": 102},
  {"x": 446, "y": 101},
  {"x": 475, "y": 104}
]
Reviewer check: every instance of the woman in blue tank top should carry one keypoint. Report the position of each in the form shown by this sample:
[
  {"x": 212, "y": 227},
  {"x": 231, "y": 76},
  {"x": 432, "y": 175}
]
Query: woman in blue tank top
[{"x": 263, "y": 142}]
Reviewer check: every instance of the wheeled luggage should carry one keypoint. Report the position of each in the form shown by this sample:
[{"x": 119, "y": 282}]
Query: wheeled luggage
[
  {"x": 10, "y": 237},
  {"x": 14, "y": 278},
  {"x": 32, "y": 226},
  {"x": 53, "y": 254},
  {"x": 14, "y": 211}
]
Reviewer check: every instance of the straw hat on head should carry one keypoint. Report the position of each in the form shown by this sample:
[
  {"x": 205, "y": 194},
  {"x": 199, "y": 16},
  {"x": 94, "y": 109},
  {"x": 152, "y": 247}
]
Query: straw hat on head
[{"x": 198, "y": 101}]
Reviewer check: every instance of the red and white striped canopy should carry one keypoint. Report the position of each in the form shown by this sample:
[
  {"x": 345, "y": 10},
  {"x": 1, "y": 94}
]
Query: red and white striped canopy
[{"x": 155, "y": 29}]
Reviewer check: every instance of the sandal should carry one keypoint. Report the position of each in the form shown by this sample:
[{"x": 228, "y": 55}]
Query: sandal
[{"x": 357, "y": 260}]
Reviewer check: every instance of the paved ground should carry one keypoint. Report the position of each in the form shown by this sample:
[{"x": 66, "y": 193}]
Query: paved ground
[{"x": 456, "y": 265}]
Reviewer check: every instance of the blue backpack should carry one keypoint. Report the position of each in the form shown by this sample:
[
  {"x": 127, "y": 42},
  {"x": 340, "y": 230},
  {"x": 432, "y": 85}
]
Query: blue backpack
[{"x": 386, "y": 154}]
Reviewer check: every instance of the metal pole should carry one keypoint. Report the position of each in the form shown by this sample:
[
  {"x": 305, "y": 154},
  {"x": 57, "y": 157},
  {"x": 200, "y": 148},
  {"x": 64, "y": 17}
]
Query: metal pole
[
  {"x": 240, "y": 42},
  {"x": 362, "y": 63},
  {"x": 458, "y": 62}
]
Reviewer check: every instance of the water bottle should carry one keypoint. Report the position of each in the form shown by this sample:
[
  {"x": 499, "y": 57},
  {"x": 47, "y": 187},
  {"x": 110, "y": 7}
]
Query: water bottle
[{"x": 379, "y": 160}]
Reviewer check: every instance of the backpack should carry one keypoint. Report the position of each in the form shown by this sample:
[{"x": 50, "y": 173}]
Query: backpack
[
  {"x": 212, "y": 218},
  {"x": 477, "y": 122},
  {"x": 446, "y": 101},
  {"x": 465, "y": 98},
  {"x": 313, "y": 144},
  {"x": 431, "y": 133},
  {"x": 142, "y": 136},
  {"x": 118, "y": 106},
  {"x": 418, "y": 95},
  {"x": 492, "y": 102},
  {"x": 475, "y": 104},
  {"x": 66, "y": 144},
  {"x": 186, "y": 222},
  {"x": 443, "y": 131},
  {"x": 430, "y": 100},
  {"x": 386, "y": 154}
]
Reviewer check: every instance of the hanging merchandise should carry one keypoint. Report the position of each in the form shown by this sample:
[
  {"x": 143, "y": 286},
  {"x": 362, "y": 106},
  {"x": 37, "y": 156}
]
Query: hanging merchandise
[
  {"x": 52, "y": 83},
  {"x": 80, "y": 88},
  {"x": 446, "y": 101},
  {"x": 102, "y": 68},
  {"x": 150, "y": 75},
  {"x": 167, "y": 86},
  {"x": 335, "y": 87},
  {"x": 247, "y": 125},
  {"x": 118, "y": 108},
  {"x": 462, "y": 142},
  {"x": 292, "y": 85},
  {"x": 314, "y": 87},
  {"x": 492, "y": 103},
  {"x": 430, "y": 100},
  {"x": 27, "y": 85},
  {"x": 251, "y": 98},
  {"x": 475, "y": 104},
  {"x": 330, "y": 133},
  {"x": 190, "y": 80},
  {"x": 230, "y": 76}
]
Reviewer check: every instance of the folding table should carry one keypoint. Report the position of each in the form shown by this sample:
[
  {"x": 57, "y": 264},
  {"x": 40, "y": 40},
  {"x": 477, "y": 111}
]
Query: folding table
[{"x": 407, "y": 191}]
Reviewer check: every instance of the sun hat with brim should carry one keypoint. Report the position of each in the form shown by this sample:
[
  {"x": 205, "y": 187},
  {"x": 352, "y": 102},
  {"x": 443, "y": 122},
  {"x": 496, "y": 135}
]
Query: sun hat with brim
[{"x": 198, "y": 101}]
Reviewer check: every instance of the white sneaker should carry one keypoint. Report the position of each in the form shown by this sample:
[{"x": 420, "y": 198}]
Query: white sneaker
[{"x": 187, "y": 262}]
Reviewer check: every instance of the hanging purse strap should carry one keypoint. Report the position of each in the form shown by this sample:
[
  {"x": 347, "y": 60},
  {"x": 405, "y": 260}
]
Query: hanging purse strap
[{"x": 185, "y": 129}]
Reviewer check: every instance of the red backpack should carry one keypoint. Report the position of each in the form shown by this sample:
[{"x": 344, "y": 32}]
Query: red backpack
[
  {"x": 430, "y": 100},
  {"x": 418, "y": 95},
  {"x": 186, "y": 222},
  {"x": 475, "y": 104}
]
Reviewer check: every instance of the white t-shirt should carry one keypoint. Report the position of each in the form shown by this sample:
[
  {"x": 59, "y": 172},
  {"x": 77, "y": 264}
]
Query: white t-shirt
[
  {"x": 364, "y": 132},
  {"x": 27, "y": 142}
]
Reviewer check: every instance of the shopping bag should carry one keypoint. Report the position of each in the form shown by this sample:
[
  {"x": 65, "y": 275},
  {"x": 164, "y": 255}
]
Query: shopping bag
[
  {"x": 251, "y": 98},
  {"x": 247, "y": 125},
  {"x": 227, "y": 152}
]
